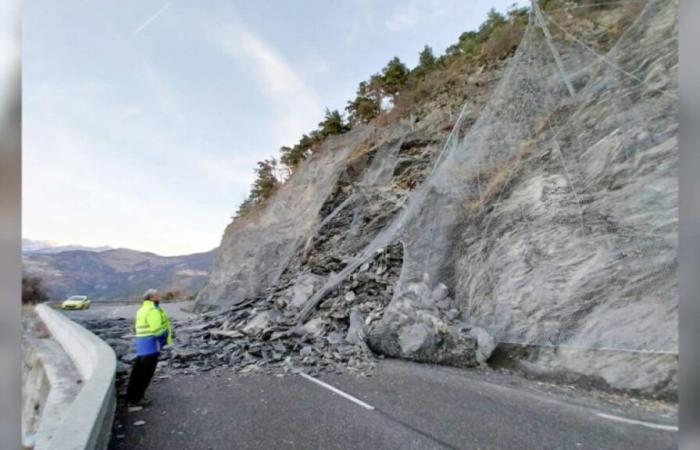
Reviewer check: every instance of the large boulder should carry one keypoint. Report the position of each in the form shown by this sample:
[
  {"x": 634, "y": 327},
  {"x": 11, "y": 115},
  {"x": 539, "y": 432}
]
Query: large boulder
[{"x": 414, "y": 328}]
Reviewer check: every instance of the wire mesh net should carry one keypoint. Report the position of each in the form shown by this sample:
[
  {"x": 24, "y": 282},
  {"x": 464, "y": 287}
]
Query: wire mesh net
[
  {"x": 554, "y": 217},
  {"x": 260, "y": 245}
]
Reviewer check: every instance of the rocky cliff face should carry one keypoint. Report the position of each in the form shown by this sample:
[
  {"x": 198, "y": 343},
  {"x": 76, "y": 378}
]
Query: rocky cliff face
[{"x": 540, "y": 217}]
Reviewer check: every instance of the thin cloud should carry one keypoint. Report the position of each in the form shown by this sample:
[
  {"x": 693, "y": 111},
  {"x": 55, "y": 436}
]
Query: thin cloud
[
  {"x": 403, "y": 19},
  {"x": 278, "y": 75},
  {"x": 151, "y": 19},
  {"x": 363, "y": 21},
  {"x": 298, "y": 104},
  {"x": 411, "y": 13}
]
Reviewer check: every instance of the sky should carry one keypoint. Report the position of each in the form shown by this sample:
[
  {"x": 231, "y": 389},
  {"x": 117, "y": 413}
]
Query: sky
[{"x": 143, "y": 120}]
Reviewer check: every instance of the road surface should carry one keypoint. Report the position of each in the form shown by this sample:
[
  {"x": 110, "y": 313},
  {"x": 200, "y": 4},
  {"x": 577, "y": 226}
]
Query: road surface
[
  {"x": 402, "y": 406},
  {"x": 114, "y": 310},
  {"x": 414, "y": 407}
]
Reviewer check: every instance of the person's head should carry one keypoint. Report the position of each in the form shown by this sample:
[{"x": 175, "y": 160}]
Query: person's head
[{"x": 152, "y": 295}]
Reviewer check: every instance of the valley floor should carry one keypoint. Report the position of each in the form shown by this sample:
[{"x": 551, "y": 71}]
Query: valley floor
[{"x": 415, "y": 406}]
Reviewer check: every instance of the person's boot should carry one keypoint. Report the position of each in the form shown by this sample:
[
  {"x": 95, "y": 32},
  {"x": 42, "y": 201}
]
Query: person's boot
[{"x": 143, "y": 402}]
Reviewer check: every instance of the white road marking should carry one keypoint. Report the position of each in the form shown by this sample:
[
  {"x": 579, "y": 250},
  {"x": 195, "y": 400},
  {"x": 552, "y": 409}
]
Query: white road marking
[
  {"x": 657, "y": 426},
  {"x": 337, "y": 391}
]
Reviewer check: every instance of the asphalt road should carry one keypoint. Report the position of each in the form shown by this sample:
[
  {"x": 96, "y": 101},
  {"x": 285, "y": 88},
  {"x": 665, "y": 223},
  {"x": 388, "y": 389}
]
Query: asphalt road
[
  {"x": 415, "y": 407},
  {"x": 115, "y": 310}
]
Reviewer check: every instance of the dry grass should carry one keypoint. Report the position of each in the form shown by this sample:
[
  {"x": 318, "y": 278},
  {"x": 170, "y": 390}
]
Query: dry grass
[
  {"x": 362, "y": 150},
  {"x": 401, "y": 110},
  {"x": 599, "y": 26},
  {"x": 441, "y": 81},
  {"x": 502, "y": 43},
  {"x": 494, "y": 181},
  {"x": 426, "y": 89}
]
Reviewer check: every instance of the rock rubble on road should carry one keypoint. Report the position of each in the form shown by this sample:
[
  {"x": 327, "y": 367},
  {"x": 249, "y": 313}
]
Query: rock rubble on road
[{"x": 262, "y": 335}]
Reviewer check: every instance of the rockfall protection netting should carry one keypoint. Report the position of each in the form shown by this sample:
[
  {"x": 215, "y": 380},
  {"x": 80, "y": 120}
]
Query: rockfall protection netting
[
  {"x": 550, "y": 221},
  {"x": 554, "y": 217},
  {"x": 261, "y": 245}
]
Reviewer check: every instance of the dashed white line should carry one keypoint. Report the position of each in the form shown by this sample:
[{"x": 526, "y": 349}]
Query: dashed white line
[
  {"x": 657, "y": 426},
  {"x": 337, "y": 391}
]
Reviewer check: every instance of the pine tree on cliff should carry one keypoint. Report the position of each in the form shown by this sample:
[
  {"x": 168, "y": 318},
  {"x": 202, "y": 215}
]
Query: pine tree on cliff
[
  {"x": 332, "y": 123},
  {"x": 365, "y": 106},
  {"x": 291, "y": 157},
  {"x": 266, "y": 182},
  {"x": 426, "y": 62},
  {"x": 394, "y": 77},
  {"x": 426, "y": 59}
]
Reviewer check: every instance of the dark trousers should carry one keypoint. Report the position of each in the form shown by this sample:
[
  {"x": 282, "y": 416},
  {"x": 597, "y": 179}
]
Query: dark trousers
[{"x": 141, "y": 373}]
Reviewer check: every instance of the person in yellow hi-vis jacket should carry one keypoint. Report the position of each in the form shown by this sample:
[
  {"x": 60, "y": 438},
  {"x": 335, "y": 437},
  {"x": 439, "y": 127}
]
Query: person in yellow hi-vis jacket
[{"x": 153, "y": 331}]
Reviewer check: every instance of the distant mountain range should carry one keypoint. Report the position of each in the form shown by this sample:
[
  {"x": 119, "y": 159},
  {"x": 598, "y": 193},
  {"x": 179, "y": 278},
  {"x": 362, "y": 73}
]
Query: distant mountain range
[
  {"x": 103, "y": 273},
  {"x": 32, "y": 246}
]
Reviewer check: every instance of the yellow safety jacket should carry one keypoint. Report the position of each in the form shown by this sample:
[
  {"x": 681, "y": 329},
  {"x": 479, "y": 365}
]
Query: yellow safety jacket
[
  {"x": 149, "y": 329},
  {"x": 148, "y": 320}
]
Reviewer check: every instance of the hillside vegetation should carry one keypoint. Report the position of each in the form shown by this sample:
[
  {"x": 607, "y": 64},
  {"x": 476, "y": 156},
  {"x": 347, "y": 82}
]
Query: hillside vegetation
[{"x": 412, "y": 91}]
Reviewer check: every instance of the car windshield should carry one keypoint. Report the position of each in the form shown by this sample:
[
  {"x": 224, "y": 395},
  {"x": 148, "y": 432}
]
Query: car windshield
[{"x": 77, "y": 297}]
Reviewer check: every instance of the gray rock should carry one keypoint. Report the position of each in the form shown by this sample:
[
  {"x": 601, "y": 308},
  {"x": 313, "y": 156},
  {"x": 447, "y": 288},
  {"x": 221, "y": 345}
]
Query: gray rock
[
  {"x": 307, "y": 351},
  {"x": 260, "y": 322},
  {"x": 334, "y": 337},
  {"x": 439, "y": 293},
  {"x": 485, "y": 342},
  {"x": 414, "y": 337},
  {"x": 356, "y": 331},
  {"x": 412, "y": 330},
  {"x": 315, "y": 327},
  {"x": 445, "y": 304},
  {"x": 304, "y": 288},
  {"x": 421, "y": 289}
]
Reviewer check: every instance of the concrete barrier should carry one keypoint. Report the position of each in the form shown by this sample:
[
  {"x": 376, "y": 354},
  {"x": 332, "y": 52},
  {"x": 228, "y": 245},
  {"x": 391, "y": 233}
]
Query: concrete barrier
[{"x": 87, "y": 421}]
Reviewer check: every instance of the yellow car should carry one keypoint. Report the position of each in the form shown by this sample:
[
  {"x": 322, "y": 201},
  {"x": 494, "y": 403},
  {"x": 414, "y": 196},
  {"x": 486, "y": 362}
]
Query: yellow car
[{"x": 76, "y": 302}]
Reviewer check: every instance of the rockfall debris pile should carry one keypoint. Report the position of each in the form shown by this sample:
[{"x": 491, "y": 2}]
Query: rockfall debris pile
[{"x": 349, "y": 330}]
